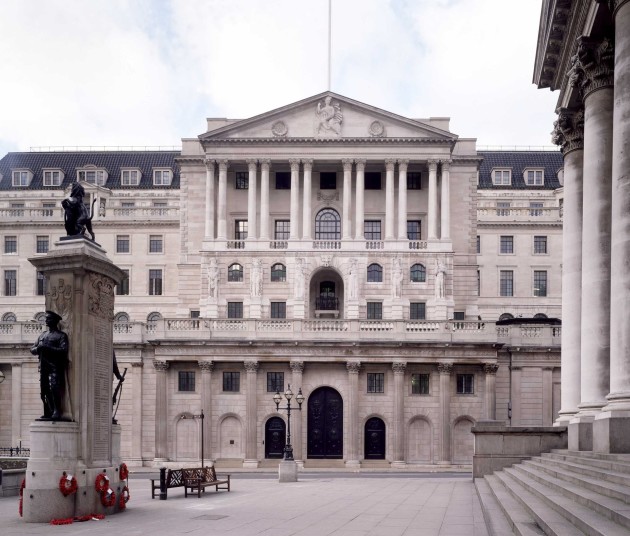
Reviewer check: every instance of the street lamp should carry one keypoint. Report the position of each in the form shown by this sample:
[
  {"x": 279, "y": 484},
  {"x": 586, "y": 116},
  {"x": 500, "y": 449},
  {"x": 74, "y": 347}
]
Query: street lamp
[
  {"x": 299, "y": 398},
  {"x": 200, "y": 416}
]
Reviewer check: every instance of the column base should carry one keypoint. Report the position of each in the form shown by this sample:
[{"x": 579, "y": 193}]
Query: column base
[
  {"x": 564, "y": 418},
  {"x": 250, "y": 464},
  {"x": 355, "y": 465},
  {"x": 580, "y": 433},
  {"x": 610, "y": 432},
  {"x": 398, "y": 465},
  {"x": 287, "y": 471}
]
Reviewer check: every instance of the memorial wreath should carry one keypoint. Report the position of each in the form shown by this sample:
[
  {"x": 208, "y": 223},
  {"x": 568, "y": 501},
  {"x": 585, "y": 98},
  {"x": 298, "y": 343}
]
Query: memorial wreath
[
  {"x": 124, "y": 498},
  {"x": 108, "y": 498},
  {"x": 123, "y": 472},
  {"x": 67, "y": 484},
  {"x": 101, "y": 483}
]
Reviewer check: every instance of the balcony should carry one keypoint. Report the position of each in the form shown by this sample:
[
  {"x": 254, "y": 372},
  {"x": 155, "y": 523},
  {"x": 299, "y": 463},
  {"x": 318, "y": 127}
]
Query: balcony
[
  {"x": 326, "y": 306},
  {"x": 55, "y": 215},
  {"x": 496, "y": 214},
  {"x": 346, "y": 245}
]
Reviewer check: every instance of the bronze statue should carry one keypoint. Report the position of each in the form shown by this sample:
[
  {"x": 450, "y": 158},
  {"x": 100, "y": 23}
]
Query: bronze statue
[
  {"x": 77, "y": 218},
  {"x": 52, "y": 349}
]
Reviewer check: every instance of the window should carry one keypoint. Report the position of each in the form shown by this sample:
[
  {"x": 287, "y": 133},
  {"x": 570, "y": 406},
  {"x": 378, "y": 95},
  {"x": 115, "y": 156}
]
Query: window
[
  {"x": 540, "y": 315},
  {"x": 155, "y": 244},
  {"x": 478, "y": 244},
  {"x": 501, "y": 177},
  {"x": 327, "y": 225},
  {"x": 283, "y": 180},
  {"x": 52, "y": 177},
  {"x": 123, "y": 288},
  {"x": 130, "y": 177},
  {"x": 506, "y": 316},
  {"x": 506, "y": 283},
  {"x": 478, "y": 282},
  {"x": 503, "y": 208},
  {"x": 418, "y": 273},
  {"x": 372, "y": 229},
  {"x": 240, "y": 229},
  {"x": 414, "y": 180},
  {"x": 194, "y": 313},
  {"x": 417, "y": 311},
  {"x": 540, "y": 245},
  {"x": 122, "y": 244},
  {"x": 232, "y": 382},
  {"x": 235, "y": 309},
  {"x": 414, "y": 230},
  {"x": 372, "y": 180},
  {"x": 535, "y": 208},
  {"x": 154, "y": 316},
  {"x": 282, "y": 229},
  {"x": 241, "y": 180},
  {"x": 535, "y": 177},
  {"x": 278, "y": 309},
  {"x": 374, "y": 310},
  {"x": 42, "y": 244},
  {"x": 10, "y": 282},
  {"x": 9, "y": 317},
  {"x": 459, "y": 315},
  {"x": 155, "y": 282},
  {"x": 186, "y": 380},
  {"x": 40, "y": 317},
  {"x": 10, "y": 244},
  {"x": 235, "y": 273},
  {"x": 507, "y": 244},
  {"x": 275, "y": 382},
  {"x": 420, "y": 384},
  {"x": 375, "y": 382},
  {"x": 328, "y": 180},
  {"x": 121, "y": 317},
  {"x": 375, "y": 273},
  {"x": 41, "y": 284},
  {"x": 162, "y": 177},
  {"x": 540, "y": 283},
  {"x": 21, "y": 178},
  {"x": 159, "y": 204},
  {"x": 465, "y": 384},
  {"x": 278, "y": 273},
  {"x": 93, "y": 176}
]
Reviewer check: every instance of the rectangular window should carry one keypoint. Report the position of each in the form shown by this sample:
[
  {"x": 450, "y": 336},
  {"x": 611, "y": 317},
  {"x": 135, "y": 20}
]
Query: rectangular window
[
  {"x": 414, "y": 230},
  {"x": 503, "y": 208},
  {"x": 52, "y": 178},
  {"x": 162, "y": 177},
  {"x": 414, "y": 180},
  {"x": 10, "y": 244},
  {"x": 506, "y": 283},
  {"x": 155, "y": 282},
  {"x": 417, "y": 311},
  {"x": 465, "y": 384},
  {"x": 507, "y": 244},
  {"x": 122, "y": 244},
  {"x": 282, "y": 229},
  {"x": 127, "y": 204},
  {"x": 536, "y": 209},
  {"x": 328, "y": 180},
  {"x": 478, "y": 282},
  {"x": 41, "y": 284},
  {"x": 235, "y": 309},
  {"x": 372, "y": 180},
  {"x": 501, "y": 177},
  {"x": 540, "y": 245},
  {"x": 540, "y": 283},
  {"x": 275, "y": 382},
  {"x": 123, "y": 288},
  {"x": 186, "y": 380},
  {"x": 240, "y": 229},
  {"x": 459, "y": 315},
  {"x": 283, "y": 180},
  {"x": 535, "y": 177},
  {"x": 160, "y": 204},
  {"x": 420, "y": 384},
  {"x": 478, "y": 244},
  {"x": 93, "y": 176},
  {"x": 20, "y": 178},
  {"x": 241, "y": 180},
  {"x": 155, "y": 244},
  {"x": 374, "y": 310},
  {"x": 372, "y": 229},
  {"x": 231, "y": 382},
  {"x": 130, "y": 177},
  {"x": 10, "y": 282},
  {"x": 278, "y": 309},
  {"x": 375, "y": 382}
]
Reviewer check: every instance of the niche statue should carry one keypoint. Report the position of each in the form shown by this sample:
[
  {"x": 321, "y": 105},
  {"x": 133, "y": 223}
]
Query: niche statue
[{"x": 77, "y": 218}]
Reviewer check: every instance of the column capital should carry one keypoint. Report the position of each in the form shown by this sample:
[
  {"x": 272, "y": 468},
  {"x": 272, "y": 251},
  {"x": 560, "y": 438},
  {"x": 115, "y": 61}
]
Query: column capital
[
  {"x": 251, "y": 162},
  {"x": 16, "y": 363},
  {"x": 206, "y": 366},
  {"x": 402, "y": 165},
  {"x": 490, "y": 368},
  {"x": 592, "y": 67},
  {"x": 137, "y": 364},
  {"x": 251, "y": 367},
  {"x": 160, "y": 366},
  {"x": 353, "y": 367},
  {"x": 445, "y": 368},
  {"x": 399, "y": 367},
  {"x": 297, "y": 366},
  {"x": 446, "y": 164},
  {"x": 432, "y": 163},
  {"x": 295, "y": 164},
  {"x": 347, "y": 164},
  {"x": 568, "y": 130},
  {"x": 223, "y": 164},
  {"x": 265, "y": 163},
  {"x": 308, "y": 164},
  {"x": 360, "y": 164},
  {"x": 209, "y": 162},
  {"x": 390, "y": 163}
]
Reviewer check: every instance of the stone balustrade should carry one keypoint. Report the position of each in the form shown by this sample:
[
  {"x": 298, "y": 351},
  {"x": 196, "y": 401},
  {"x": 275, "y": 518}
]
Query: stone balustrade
[
  {"x": 141, "y": 213},
  {"x": 350, "y": 245},
  {"x": 538, "y": 214}
]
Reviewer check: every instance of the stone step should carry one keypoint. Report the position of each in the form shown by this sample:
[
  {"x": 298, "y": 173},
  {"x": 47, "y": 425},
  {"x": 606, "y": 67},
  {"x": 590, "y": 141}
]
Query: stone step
[
  {"x": 596, "y": 484},
  {"x": 622, "y": 458},
  {"x": 620, "y": 479},
  {"x": 584, "y": 509},
  {"x": 611, "y": 465}
]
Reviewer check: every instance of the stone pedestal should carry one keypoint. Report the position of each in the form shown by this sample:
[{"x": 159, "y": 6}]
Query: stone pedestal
[
  {"x": 437, "y": 309},
  {"x": 580, "y": 433},
  {"x": 393, "y": 309},
  {"x": 610, "y": 432},
  {"x": 287, "y": 471},
  {"x": 352, "y": 310},
  {"x": 209, "y": 308},
  {"x": 255, "y": 308},
  {"x": 298, "y": 309}
]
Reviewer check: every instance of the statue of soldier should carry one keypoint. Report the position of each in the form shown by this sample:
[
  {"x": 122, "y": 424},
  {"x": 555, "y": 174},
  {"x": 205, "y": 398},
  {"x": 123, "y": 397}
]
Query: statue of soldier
[{"x": 52, "y": 349}]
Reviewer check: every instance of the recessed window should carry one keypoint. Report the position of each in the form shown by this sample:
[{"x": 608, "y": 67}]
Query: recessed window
[
  {"x": 154, "y": 316},
  {"x": 121, "y": 317},
  {"x": 155, "y": 282},
  {"x": 240, "y": 229},
  {"x": 372, "y": 229},
  {"x": 231, "y": 382},
  {"x": 536, "y": 208},
  {"x": 374, "y": 310},
  {"x": 503, "y": 208},
  {"x": 93, "y": 176},
  {"x": 420, "y": 384},
  {"x": 41, "y": 284},
  {"x": 278, "y": 273},
  {"x": 235, "y": 309},
  {"x": 282, "y": 229},
  {"x": 42, "y": 244},
  {"x": 417, "y": 311},
  {"x": 540, "y": 283},
  {"x": 414, "y": 180},
  {"x": 507, "y": 244},
  {"x": 195, "y": 313},
  {"x": 283, "y": 180},
  {"x": 506, "y": 283},
  {"x": 123, "y": 288},
  {"x": 130, "y": 177},
  {"x": 278, "y": 309},
  {"x": 506, "y": 316},
  {"x": 156, "y": 244},
  {"x": 186, "y": 381},
  {"x": 160, "y": 204},
  {"x": 418, "y": 273},
  {"x": 9, "y": 317},
  {"x": 241, "y": 180},
  {"x": 540, "y": 245},
  {"x": 535, "y": 177},
  {"x": 465, "y": 384},
  {"x": 53, "y": 177},
  {"x": 235, "y": 273},
  {"x": 459, "y": 315},
  {"x": 372, "y": 180},
  {"x": 375, "y": 382},
  {"x": 327, "y": 225},
  {"x": 478, "y": 244},
  {"x": 502, "y": 177},
  {"x": 162, "y": 177},
  {"x": 123, "y": 244},
  {"x": 275, "y": 382},
  {"x": 414, "y": 229},
  {"x": 21, "y": 177},
  {"x": 328, "y": 180},
  {"x": 10, "y": 245},
  {"x": 375, "y": 273},
  {"x": 10, "y": 282}
]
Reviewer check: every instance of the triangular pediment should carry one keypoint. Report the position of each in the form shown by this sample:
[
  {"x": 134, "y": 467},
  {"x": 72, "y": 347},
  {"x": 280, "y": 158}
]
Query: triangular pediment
[{"x": 327, "y": 116}]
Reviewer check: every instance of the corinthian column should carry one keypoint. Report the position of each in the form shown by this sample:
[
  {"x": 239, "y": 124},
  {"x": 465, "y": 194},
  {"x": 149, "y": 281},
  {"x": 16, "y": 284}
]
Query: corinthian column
[
  {"x": 491, "y": 390},
  {"x": 16, "y": 403},
  {"x": 360, "y": 200},
  {"x": 295, "y": 198},
  {"x": 297, "y": 368},
  {"x": 432, "y": 199},
  {"x": 251, "y": 458},
  {"x": 389, "y": 199},
  {"x": 136, "y": 416},
  {"x": 399, "y": 414},
  {"x": 402, "y": 199},
  {"x": 306, "y": 216},
  {"x": 161, "y": 405},
  {"x": 222, "y": 201},
  {"x": 264, "y": 199},
  {"x": 445, "y": 209},
  {"x": 206, "y": 405},
  {"x": 209, "y": 199},
  {"x": 347, "y": 197},
  {"x": 252, "y": 201},
  {"x": 353, "y": 413},
  {"x": 445, "y": 370}
]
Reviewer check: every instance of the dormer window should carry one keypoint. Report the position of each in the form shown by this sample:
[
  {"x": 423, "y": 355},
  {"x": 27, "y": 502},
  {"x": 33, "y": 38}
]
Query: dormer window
[
  {"x": 93, "y": 175},
  {"x": 502, "y": 177},
  {"x": 130, "y": 177},
  {"x": 53, "y": 177},
  {"x": 162, "y": 177},
  {"x": 534, "y": 177},
  {"x": 22, "y": 177}
]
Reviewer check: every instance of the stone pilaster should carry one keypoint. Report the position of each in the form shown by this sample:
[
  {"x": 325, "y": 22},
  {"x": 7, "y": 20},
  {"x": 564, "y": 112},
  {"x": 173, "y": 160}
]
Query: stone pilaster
[
  {"x": 360, "y": 200},
  {"x": 402, "y": 199},
  {"x": 432, "y": 231},
  {"x": 295, "y": 198},
  {"x": 347, "y": 198},
  {"x": 16, "y": 403},
  {"x": 297, "y": 370},
  {"x": 251, "y": 441},
  {"x": 209, "y": 227},
  {"x": 352, "y": 457},
  {"x": 306, "y": 205},
  {"x": 222, "y": 201},
  {"x": 390, "y": 164},
  {"x": 206, "y": 405},
  {"x": 445, "y": 200},
  {"x": 161, "y": 410},
  {"x": 264, "y": 199},
  {"x": 547, "y": 396},
  {"x": 252, "y": 199},
  {"x": 399, "y": 368},
  {"x": 515, "y": 395},
  {"x": 445, "y": 370},
  {"x": 490, "y": 370},
  {"x": 136, "y": 415}
]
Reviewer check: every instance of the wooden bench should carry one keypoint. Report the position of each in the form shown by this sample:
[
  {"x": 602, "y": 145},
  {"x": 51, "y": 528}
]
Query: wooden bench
[
  {"x": 174, "y": 479},
  {"x": 200, "y": 478}
]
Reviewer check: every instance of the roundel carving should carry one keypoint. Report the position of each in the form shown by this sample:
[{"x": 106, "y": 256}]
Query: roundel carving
[
  {"x": 279, "y": 128},
  {"x": 377, "y": 129}
]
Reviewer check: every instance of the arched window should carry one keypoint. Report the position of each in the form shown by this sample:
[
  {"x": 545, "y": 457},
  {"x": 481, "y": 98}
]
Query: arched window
[
  {"x": 540, "y": 315},
  {"x": 40, "y": 317},
  {"x": 418, "y": 273},
  {"x": 153, "y": 317},
  {"x": 506, "y": 316},
  {"x": 375, "y": 273},
  {"x": 327, "y": 225},
  {"x": 278, "y": 273},
  {"x": 9, "y": 317},
  {"x": 235, "y": 272},
  {"x": 122, "y": 317}
]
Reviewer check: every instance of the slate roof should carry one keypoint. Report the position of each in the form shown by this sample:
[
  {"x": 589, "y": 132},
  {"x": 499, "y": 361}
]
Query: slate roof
[
  {"x": 112, "y": 161},
  {"x": 551, "y": 161}
]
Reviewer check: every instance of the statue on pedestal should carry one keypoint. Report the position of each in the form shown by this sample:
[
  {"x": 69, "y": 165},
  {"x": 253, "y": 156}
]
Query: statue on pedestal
[
  {"x": 256, "y": 279},
  {"x": 397, "y": 278},
  {"x": 212, "y": 271},
  {"x": 440, "y": 274},
  {"x": 77, "y": 218}
]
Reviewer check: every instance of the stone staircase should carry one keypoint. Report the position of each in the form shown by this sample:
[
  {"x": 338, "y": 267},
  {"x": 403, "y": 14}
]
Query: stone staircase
[{"x": 560, "y": 493}]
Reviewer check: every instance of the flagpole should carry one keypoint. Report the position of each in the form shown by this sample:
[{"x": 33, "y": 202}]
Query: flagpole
[{"x": 329, "y": 40}]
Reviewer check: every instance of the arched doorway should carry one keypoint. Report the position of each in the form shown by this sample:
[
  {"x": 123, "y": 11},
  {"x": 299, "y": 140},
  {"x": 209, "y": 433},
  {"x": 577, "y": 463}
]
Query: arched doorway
[
  {"x": 325, "y": 424},
  {"x": 463, "y": 441},
  {"x": 275, "y": 438},
  {"x": 326, "y": 293},
  {"x": 374, "y": 439}
]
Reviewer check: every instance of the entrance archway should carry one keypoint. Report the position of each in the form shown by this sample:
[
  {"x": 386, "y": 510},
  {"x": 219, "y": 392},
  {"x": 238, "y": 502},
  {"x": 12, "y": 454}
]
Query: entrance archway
[
  {"x": 325, "y": 424},
  {"x": 374, "y": 444},
  {"x": 275, "y": 438},
  {"x": 326, "y": 294}
]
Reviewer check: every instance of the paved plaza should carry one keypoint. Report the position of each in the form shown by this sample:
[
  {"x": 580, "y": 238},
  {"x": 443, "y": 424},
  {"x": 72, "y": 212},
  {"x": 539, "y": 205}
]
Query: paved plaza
[{"x": 317, "y": 505}]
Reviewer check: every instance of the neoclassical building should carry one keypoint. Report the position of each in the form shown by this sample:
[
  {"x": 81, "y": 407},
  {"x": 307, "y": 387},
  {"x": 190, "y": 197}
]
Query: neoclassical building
[{"x": 361, "y": 256}]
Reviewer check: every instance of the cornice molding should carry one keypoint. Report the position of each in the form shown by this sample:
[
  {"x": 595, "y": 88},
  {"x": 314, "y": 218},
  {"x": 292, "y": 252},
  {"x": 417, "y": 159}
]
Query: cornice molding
[{"x": 326, "y": 141}]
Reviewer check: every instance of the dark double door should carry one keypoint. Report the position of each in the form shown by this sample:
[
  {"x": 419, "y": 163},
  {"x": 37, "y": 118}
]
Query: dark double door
[
  {"x": 275, "y": 438},
  {"x": 374, "y": 439},
  {"x": 325, "y": 424}
]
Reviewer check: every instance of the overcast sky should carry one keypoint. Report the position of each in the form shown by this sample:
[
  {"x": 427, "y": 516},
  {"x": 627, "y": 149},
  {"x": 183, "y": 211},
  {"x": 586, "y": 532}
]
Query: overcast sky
[{"x": 148, "y": 72}]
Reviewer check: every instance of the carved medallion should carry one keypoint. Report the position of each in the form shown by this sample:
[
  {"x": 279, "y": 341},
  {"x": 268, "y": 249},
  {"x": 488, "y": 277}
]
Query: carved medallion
[
  {"x": 279, "y": 129},
  {"x": 376, "y": 129},
  {"x": 60, "y": 301},
  {"x": 101, "y": 296}
]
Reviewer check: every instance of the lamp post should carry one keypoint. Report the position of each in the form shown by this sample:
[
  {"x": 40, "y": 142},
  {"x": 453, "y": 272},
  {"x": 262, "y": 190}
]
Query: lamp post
[
  {"x": 200, "y": 416},
  {"x": 299, "y": 398}
]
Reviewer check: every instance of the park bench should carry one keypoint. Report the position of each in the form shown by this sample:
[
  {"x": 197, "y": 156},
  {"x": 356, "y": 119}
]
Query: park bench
[
  {"x": 200, "y": 478},
  {"x": 174, "y": 479}
]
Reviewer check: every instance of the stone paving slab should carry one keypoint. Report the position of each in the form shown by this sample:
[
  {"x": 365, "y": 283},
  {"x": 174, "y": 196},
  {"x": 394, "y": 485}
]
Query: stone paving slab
[{"x": 387, "y": 506}]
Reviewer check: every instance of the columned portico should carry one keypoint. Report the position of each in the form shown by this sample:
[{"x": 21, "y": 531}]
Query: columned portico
[
  {"x": 161, "y": 405},
  {"x": 353, "y": 368},
  {"x": 490, "y": 370},
  {"x": 251, "y": 442}
]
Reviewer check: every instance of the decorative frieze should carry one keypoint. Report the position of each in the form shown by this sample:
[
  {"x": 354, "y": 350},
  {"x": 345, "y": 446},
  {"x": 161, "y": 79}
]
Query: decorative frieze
[
  {"x": 568, "y": 130},
  {"x": 101, "y": 296},
  {"x": 592, "y": 67}
]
